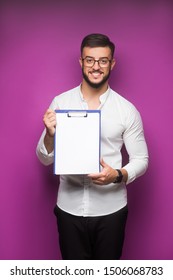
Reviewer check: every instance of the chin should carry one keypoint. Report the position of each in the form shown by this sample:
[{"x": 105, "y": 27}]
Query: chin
[{"x": 96, "y": 84}]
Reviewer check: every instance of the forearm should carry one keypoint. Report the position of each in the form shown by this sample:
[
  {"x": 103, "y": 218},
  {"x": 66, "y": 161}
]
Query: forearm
[
  {"x": 49, "y": 143},
  {"x": 136, "y": 168},
  {"x": 42, "y": 152}
]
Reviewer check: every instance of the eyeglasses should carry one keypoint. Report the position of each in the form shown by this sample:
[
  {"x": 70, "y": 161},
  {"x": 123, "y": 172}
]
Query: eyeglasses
[{"x": 90, "y": 61}]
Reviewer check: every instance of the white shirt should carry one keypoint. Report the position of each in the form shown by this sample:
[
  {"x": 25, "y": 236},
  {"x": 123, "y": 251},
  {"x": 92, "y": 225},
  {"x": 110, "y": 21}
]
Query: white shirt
[{"x": 120, "y": 124}]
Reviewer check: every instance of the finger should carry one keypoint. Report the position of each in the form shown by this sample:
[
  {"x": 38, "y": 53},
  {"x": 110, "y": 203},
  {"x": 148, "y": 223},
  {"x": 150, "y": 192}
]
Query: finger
[
  {"x": 97, "y": 182},
  {"x": 49, "y": 110},
  {"x": 51, "y": 118},
  {"x": 48, "y": 116},
  {"x": 95, "y": 176},
  {"x": 51, "y": 115},
  {"x": 103, "y": 163}
]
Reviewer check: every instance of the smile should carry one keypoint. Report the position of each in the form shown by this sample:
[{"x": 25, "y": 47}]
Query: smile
[{"x": 96, "y": 74}]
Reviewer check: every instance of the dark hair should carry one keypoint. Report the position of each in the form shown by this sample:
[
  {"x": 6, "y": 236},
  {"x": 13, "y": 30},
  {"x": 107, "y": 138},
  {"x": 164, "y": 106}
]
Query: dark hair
[{"x": 97, "y": 40}]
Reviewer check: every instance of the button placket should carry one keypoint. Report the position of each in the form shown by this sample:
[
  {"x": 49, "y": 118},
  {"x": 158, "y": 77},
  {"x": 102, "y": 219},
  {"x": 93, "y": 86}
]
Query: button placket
[{"x": 86, "y": 185}]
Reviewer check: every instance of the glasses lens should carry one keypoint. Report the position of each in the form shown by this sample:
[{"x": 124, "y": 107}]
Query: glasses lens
[
  {"x": 104, "y": 62},
  {"x": 90, "y": 61}
]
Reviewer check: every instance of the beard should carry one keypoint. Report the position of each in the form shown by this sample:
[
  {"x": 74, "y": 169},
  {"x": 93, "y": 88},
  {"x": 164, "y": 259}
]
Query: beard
[{"x": 95, "y": 85}]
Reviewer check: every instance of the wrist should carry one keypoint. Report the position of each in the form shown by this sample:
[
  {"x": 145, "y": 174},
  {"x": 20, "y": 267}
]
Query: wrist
[
  {"x": 49, "y": 142},
  {"x": 49, "y": 134},
  {"x": 119, "y": 176}
]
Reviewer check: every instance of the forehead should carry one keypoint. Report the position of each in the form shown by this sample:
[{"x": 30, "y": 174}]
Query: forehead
[{"x": 97, "y": 52}]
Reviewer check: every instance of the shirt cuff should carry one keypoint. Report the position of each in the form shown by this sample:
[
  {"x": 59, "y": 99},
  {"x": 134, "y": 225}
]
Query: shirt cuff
[{"x": 131, "y": 173}]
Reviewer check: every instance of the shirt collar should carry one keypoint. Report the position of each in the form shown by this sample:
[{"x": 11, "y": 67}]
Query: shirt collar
[{"x": 102, "y": 97}]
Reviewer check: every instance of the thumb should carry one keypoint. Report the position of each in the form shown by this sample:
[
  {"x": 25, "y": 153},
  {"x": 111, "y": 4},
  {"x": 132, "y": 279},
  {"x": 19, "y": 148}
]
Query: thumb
[{"x": 103, "y": 163}]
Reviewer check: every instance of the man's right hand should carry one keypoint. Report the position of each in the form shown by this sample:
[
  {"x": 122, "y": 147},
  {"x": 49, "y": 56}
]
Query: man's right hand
[{"x": 49, "y": 120}]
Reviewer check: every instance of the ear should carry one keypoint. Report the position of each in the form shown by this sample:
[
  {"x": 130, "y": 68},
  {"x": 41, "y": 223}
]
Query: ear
[
  {"x": 80, "y": 61},
  {"x": 113, "y": 63}
]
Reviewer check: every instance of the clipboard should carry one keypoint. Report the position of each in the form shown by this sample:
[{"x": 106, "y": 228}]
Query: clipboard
[{"x": 77, "y": 142}]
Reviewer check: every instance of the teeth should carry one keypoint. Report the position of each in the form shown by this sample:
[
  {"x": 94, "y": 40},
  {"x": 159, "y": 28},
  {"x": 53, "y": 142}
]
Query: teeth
[{"x": 96, "y": 74}]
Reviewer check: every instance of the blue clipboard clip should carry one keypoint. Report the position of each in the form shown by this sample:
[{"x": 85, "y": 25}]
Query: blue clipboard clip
[{"x": 77, "y": 114}]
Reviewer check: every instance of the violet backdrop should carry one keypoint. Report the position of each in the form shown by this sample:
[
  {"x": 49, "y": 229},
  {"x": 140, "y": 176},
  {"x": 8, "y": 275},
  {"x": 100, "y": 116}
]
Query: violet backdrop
[{"x": 39, "y": 52}]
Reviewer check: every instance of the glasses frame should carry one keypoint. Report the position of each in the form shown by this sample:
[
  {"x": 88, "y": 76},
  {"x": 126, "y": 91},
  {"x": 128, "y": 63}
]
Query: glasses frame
[{"x": 96, "y": 60}]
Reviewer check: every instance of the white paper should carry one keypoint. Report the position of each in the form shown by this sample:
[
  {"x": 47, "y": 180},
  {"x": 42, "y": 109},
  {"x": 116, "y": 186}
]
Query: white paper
[{"x": 77, "y": 142}]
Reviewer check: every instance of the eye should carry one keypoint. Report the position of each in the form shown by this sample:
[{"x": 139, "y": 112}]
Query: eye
[
  {"x": 89, "y": 60},
  {"x": 103, "y": 61}
]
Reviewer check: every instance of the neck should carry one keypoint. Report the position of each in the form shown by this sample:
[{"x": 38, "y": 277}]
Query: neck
[{"x": 89, "y": 92}]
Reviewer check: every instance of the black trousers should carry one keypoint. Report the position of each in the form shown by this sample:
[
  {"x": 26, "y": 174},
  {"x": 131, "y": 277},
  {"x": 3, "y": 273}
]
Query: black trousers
[{"x": 91, "y": 238}]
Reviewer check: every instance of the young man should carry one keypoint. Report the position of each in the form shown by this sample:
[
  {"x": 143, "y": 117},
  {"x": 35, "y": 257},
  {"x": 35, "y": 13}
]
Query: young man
[{"x": 91, "y": 209}]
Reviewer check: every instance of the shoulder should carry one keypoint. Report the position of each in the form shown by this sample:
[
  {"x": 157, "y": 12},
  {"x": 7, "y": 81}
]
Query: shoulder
[
  {"x": 122, "y": 102},
  {"x": 64, "y": 97},
  {"x": 128, "y": 112},
  {"x": 67, "y": 93}
]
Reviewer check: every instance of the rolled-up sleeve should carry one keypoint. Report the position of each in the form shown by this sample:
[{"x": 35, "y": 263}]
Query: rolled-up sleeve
[
  {"x": 136, "y": 146},
  {"x": 42, "y": 153}
]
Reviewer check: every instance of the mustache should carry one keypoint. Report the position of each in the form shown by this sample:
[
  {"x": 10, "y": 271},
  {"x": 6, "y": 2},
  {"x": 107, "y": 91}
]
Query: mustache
[{"x": 96, "y": 71}]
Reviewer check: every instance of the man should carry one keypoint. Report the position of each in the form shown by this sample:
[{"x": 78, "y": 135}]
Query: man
[{"x": 92, "y": 209}]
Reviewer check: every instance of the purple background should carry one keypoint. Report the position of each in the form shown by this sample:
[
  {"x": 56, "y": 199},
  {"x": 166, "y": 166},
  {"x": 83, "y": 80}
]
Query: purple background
[{"x": 39, "y": 53}]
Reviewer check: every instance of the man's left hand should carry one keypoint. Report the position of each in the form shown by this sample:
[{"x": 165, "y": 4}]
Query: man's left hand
[{"x": 106, "y": 176}]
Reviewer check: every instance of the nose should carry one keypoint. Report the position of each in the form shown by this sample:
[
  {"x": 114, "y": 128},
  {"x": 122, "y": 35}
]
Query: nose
[{"x": 96, "y": 64}]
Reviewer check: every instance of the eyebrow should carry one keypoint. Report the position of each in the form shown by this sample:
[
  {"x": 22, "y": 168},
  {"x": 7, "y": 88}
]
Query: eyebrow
[{"x": 99, "y": 57}]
